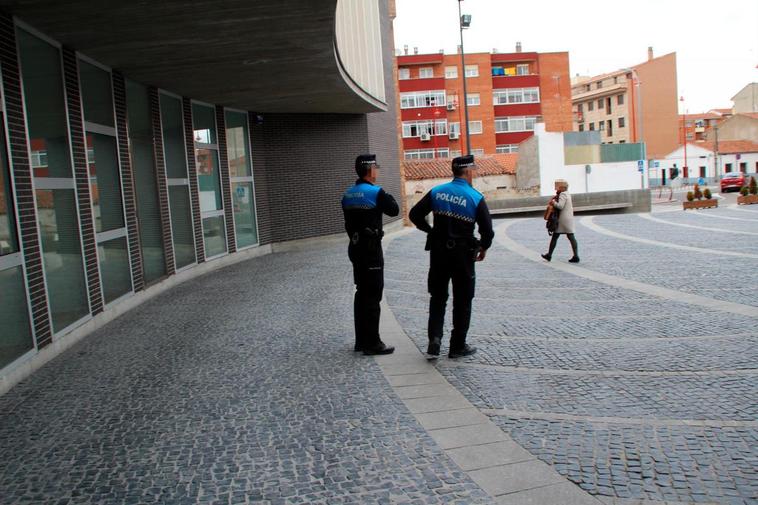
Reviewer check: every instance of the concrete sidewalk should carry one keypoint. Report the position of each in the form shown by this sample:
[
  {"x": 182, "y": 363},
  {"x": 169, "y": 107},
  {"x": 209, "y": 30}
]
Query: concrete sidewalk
[{"x": 241, "y": 387}]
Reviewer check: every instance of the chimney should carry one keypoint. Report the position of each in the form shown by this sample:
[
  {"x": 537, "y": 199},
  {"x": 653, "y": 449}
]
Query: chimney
[
  {"x": 518, "y": 47},
  {"x": 459, "y": 49},
  {"x": 442, "y": 51},
  {"x": 405, "y": 49},
  {"x": 415, "y": 50},
  {"x": 649, "y": 53},
  {"x": 494, "y": 50}
]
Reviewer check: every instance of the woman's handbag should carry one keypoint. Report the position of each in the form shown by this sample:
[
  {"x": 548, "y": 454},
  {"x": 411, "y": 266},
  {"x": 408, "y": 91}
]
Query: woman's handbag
[{"x": 551, "y": 217}]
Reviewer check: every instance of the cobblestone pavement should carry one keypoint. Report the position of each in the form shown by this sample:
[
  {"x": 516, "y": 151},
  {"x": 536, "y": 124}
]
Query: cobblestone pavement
[
  {"x": 631, "y": 396},
  {"x": 237, "y": 387}
]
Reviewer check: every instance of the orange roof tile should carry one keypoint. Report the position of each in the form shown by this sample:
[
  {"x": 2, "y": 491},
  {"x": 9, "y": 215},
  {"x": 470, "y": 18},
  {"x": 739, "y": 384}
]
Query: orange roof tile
[
  {"x": 730, "y": 146},
  {"x": 439, "y": 168}
]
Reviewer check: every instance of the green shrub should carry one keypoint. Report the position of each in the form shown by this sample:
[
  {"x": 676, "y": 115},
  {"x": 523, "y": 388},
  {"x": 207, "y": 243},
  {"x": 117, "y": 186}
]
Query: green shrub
[
  {"x": 707, "y": 194},
  {"x": 690, "y": 196},
  {"x": 744, "y": 191},
  {"x": 698, "y": 194},
  {"x": 753, "y": 186}
]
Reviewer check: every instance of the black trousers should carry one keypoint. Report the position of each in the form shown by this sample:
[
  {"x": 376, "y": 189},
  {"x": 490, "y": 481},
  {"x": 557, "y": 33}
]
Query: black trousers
[
  {"x": 368, "y": 276},
  {"x": 456, "y": 264},
  {"x": 572, "y": 240}
]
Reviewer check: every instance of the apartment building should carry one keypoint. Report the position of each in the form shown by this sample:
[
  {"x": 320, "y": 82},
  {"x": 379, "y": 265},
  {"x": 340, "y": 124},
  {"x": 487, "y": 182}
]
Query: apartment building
[
  {"x": 506, "y": 93},
  {"x": 692, "y": 127},
  {"x": 632, "y": 104}
]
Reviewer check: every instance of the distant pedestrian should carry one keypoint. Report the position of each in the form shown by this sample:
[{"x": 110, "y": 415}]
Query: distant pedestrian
[
  {"x": 457, "y": 208},
  {"x": 363, "y": 205},
  {"x": 561, "y": 202}
]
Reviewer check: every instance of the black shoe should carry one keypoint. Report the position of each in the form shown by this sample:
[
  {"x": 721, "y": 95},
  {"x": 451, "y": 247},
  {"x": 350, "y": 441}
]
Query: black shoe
[
  {"x": 434, "y": 347},
  {"x": 466, "y": 350},
  {"x": 574, "y": 259},
  {"x": 546, "y": 257},
  {"x": 358, "y": 348},
  {"x": 380, "y": 348}
]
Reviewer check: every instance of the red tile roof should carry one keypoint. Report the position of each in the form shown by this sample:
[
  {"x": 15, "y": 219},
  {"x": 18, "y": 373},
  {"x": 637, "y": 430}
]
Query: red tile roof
[
  {"x": 439, "y": 168},
  {"x": 702, "y": 115},
  {"x": 729, "y": 146},
  {"x": 753, "y": 115}
]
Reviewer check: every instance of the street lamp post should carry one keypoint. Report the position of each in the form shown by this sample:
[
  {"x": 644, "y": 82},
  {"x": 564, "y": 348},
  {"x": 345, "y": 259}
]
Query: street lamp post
[
  {"x": 685, "y": 171},
  {"x": 637, "y": 97},
  {"x": 464, "y": 22}
]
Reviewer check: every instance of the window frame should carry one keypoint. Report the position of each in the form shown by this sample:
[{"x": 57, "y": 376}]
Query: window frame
[
  {"x": 481, "y": 128},
  {"x": 248, "y": 178},
  {"x": 449, "y": 74},
  {"x": 424, "y": 70},
  {"x": 89, "y": 127},
  {"x": 403, "y": 73},
  {"x": 211, "y": 147},
  {"x": 471, "y": 70}
]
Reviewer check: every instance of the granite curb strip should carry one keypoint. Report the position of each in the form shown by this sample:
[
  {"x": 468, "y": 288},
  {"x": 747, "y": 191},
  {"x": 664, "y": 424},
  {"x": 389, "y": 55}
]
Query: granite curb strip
[{"x": 500, "y": 466}]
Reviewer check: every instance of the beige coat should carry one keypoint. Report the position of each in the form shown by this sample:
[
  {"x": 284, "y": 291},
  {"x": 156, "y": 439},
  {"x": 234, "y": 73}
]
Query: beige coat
[{"x": 566, "y": 218}]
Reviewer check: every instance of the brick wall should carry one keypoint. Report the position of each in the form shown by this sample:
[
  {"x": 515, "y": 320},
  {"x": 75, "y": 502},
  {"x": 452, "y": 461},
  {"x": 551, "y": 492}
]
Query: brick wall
[
  {"x": 555, "y": 91},
  {"x": 127, "y": 181},
  {"x": 160, "y": 173},
  {"x": 81, "y": 174},
  {"x": 189, "y": 141}
]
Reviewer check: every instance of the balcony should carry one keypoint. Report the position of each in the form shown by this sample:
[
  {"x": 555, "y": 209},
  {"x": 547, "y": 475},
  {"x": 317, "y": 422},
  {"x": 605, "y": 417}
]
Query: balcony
[
  {"x": 515, "y": 81},
  {"x": 425, "y": 84}
]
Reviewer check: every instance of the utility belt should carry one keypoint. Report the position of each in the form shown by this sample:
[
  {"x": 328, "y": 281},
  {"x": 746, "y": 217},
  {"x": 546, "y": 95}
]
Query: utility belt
[
  {"x": 452, "y": 243},
  {"x": 366, "y": 236}
]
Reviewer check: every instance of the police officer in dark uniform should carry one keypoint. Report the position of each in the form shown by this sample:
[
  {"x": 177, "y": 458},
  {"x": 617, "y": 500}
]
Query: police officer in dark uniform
[
  {"x": 456, "y": 207},
  {"x": 363, "y": 205}
]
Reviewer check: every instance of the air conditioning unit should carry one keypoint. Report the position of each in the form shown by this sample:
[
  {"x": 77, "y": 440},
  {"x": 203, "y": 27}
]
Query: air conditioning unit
[
  {"x": 425, "y": 137},
  {"x": 450, "y": 106},
  {"x": 453, "y": 135}
]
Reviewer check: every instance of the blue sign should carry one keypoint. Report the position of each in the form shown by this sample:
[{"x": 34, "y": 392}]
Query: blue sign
[{"x": 640, "y": 165}]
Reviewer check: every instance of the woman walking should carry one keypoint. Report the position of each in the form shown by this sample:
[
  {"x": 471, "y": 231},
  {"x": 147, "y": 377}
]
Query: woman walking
[{"x": 561, "y": 203}]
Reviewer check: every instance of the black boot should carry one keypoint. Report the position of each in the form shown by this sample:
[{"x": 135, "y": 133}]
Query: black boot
[
  {"x": 466, "y": 350},
  {"x": 546, "y": 257},
  {"x": 378, "y": 348},
  {"x": 434, "y": 347},
  {"x": 574, "y": 259}
]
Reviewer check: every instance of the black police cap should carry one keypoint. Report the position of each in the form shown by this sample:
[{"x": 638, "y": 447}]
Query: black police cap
[
  {"x": 464, "y": 161},
  {"x": 365, "y": 161}
]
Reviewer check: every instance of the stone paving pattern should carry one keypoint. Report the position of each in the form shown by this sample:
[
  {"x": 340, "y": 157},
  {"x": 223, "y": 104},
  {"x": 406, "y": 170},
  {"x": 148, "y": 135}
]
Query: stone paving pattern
[
  {"x": 237, "y": 387},
  {"x": 629, "y": 395}
]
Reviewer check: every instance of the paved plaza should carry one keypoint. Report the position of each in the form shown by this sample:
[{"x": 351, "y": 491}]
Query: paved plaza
[{"x": 630, "y": 378}]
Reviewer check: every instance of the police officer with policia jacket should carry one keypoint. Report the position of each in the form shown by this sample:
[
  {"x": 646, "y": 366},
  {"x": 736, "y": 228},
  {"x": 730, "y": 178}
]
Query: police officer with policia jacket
[
  {"x": 456, "y": 207},
  {"x": 363, "y": 205}
]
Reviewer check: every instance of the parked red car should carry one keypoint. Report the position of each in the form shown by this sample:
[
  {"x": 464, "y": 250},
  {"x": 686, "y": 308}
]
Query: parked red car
[{"x": 732, "y": 180}]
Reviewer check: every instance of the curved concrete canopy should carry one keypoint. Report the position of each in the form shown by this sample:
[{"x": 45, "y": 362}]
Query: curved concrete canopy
[{"x": 260, "y": 55}]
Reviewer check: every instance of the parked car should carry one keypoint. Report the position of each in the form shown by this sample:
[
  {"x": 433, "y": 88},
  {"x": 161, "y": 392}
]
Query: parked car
[{"x": 732, "y": 180}]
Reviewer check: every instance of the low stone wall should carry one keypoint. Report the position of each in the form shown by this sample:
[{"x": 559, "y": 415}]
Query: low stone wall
[{"x": 638, "y": 198}]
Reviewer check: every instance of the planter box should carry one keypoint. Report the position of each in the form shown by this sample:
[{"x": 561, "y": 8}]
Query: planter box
[
  {"x": 747, "y": 200},
  {"x": 700, "y": 204}
]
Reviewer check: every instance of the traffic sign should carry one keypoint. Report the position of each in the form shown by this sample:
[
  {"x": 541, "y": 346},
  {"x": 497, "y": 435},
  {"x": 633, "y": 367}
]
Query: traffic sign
[{"x": 640, "y": 165}]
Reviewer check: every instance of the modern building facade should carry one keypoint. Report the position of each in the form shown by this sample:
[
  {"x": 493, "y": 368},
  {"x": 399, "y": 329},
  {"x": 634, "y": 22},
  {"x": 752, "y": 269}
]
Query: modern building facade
[
  {"x": 507, "y": 94},
  {"x": 135, "y": 157},
  {"x": 636, "y": 104}
]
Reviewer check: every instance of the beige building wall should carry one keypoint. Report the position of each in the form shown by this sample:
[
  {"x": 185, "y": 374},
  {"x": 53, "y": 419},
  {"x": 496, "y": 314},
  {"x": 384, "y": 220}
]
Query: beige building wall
[
  {"x": 658, "y": 87},
  {"x": 656, "y": 97},
  {"x": 736, "y": 128},
  {"x": 747, "y": 99},
  {"x": 359, "y": 44}
]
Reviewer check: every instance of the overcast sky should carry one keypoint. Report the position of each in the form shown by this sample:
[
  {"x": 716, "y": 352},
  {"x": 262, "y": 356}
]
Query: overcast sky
[{"x": 716, "y": 42}]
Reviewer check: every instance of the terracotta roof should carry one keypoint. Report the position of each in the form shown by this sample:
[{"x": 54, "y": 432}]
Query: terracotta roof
[
  {"x": 753, "y": 115},
  {"x": 729, "y": 146},
  {"x": 702, "y": 115},
  {"x": 439, "y": 168},
  {"x": 722, "y": 111}
]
